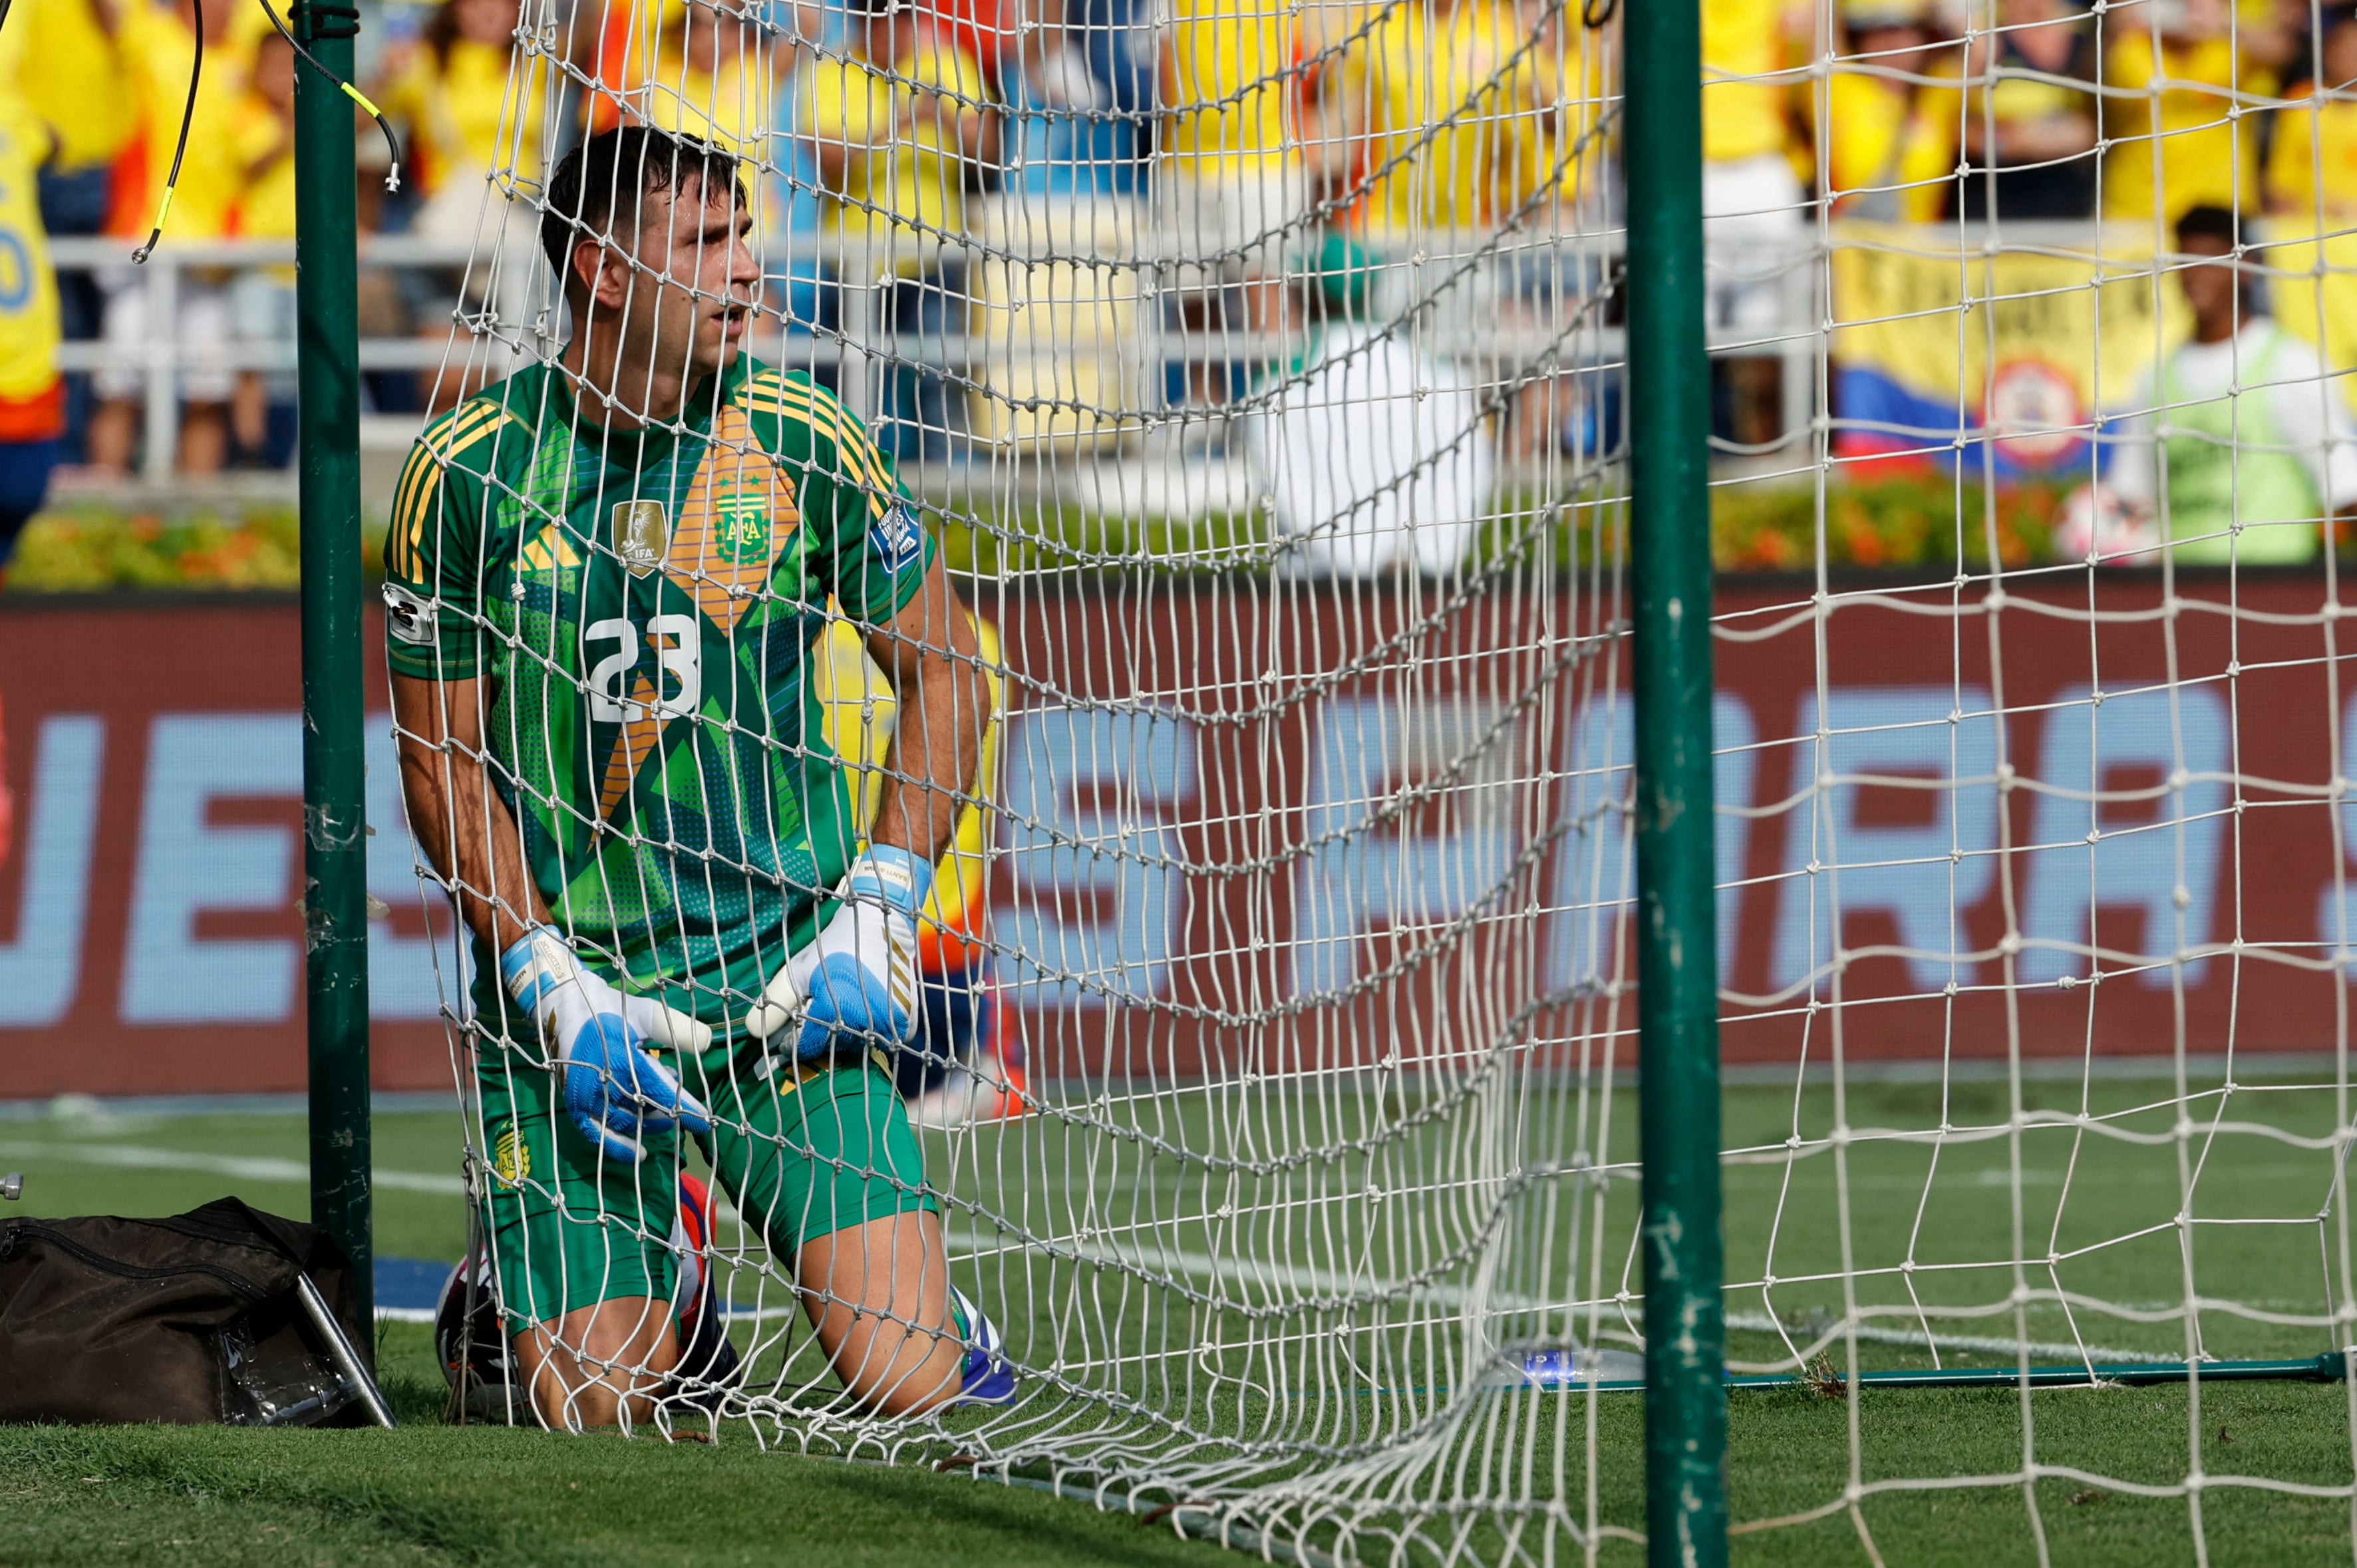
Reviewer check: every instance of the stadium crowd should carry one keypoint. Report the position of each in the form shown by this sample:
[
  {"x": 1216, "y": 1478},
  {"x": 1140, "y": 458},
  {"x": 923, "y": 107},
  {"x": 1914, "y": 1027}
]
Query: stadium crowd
[{"x": 1249, "y": 133}]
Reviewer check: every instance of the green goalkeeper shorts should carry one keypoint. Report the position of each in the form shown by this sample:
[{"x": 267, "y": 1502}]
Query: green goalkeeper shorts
[{"x": 801, "y": 1155}]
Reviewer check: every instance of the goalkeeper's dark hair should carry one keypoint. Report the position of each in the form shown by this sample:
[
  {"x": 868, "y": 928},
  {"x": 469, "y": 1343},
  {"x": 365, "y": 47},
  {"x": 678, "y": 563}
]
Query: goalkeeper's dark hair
[{"x": 597, "y": 190}]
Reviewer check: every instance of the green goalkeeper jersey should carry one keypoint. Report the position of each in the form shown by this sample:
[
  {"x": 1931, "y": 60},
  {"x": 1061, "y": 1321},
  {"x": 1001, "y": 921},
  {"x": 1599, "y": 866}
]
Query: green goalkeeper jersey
[{"x": 640, "y": 606}]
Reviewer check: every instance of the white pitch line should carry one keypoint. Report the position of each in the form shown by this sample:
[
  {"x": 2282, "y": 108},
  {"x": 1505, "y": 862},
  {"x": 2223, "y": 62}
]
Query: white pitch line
[
  {"x": 1201, "y": 1265},
  {"x": 131, "y": 1157},
  {"x": 1760, "y": 1322}
]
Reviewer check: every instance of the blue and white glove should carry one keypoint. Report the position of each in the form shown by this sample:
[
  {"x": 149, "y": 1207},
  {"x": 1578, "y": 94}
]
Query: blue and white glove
[
  {"x": 856, "y": 987},
  {"x": 594, "y": 1036}
]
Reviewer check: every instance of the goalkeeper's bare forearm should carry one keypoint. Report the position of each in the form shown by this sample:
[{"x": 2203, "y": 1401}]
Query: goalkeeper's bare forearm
[
  {"x": 934, "y": 660},
  {"x": 459, "y": 819}
]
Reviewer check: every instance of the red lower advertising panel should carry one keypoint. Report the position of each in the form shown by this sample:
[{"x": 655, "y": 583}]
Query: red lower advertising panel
[{"x": 1254, "y": 830}]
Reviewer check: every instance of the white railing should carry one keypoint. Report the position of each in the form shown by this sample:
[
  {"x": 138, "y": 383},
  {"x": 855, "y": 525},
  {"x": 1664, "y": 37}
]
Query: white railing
[{"x": 1471, "y": 275}]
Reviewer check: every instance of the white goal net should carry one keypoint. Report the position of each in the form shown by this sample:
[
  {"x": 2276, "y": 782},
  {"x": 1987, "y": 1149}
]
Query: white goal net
[{"x": 1255, "y": 372}]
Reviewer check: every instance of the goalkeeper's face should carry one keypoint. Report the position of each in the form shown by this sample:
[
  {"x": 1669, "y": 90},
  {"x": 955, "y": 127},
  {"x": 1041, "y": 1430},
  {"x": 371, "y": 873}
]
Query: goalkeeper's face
[{"x": 693, "y": 286}]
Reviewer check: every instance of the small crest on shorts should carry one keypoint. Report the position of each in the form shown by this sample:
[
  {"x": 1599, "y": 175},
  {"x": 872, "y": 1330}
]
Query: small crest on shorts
[
  {"x": 511, "y": 1159},
  {"x": 641, "y": 535}
]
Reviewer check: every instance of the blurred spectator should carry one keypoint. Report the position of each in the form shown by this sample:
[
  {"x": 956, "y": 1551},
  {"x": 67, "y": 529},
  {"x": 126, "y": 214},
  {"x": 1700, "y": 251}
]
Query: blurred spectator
[
  {"x": 2247, "y": 445},
  {"x": 73, "y": 82},
  {"x": 70, "y": 76},
  {"x": 1233, "y": 185},
  {"x": 1067, "y": 133},
  {"x": 1116, "y": 38},
  {"x": 1754, "y": 221},
  {"x": 2312, "y": 170},
  {"x": 789, "y": 204},
  {"x": 32, "y": 401},
  {"x": 899, "y": 125},
  {"x": 2030, "y": 120},
  {"x": 1373, "y": 450},
  {"x": 2182, "y": 63},
  {"x": 157, "y": 46},
  {"x": 453, "y": 104},
  {"x": 1460, "y": 99},
  {"x": 712, "y": 79},
  {"x": 1890, "y": 142},
  {"x": 261, "y": 299},
  {"x": 985, "y": 31},
  {"x": 463, "y": 123}
]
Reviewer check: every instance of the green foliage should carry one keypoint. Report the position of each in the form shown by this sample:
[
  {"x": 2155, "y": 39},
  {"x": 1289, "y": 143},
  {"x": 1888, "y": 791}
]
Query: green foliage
[
  {"x": 1908, "y": 523},
  {"x": 1905, "y": 523},
  {"x": 90, "y": 549}
]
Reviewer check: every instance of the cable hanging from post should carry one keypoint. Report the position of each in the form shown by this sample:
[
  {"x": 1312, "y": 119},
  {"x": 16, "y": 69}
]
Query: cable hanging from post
[
  {"x": 196, "y": 76},
  {"x": 350, "y": 16},
  {"x": 180, "y": 148}
]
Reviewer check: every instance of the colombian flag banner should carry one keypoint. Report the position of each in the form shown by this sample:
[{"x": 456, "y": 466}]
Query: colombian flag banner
[{"x": 1995, "y": 359}]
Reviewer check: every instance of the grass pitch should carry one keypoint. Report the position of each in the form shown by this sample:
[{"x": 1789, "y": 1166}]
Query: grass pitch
[{"x": 2100, "y": 1206}]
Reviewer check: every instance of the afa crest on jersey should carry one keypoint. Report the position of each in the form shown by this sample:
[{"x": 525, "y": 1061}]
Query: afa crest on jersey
[{"x": 741, "y": 522}]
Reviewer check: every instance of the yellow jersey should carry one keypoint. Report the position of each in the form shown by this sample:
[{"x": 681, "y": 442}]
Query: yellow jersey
[
  {"x": 731, "y": 105},
  {"x": 30, "y": 406},
  {"x": 2312, "y": 172},
  {"x": 73, "y": 80},
  {"x": 904, "y": 180},
  {"x": 157, "y": 48},
  {"x": 861, "y": 714},
  {"x": 1742, "y": 119},
  {"x": 457, "y": 113},
  {"x": 1464, "y": 124},
  {"x": 1230, "y": 85},
  {"x": 2203, "y": 160},
  {"x": 1892, "y": 154},
  {"x": 266, "y": 208}
]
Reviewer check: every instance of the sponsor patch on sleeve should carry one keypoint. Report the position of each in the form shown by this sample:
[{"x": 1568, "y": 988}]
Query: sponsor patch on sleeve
[
  {"x": 897, "y": 539},
  {"x": 408, "y": 615}
]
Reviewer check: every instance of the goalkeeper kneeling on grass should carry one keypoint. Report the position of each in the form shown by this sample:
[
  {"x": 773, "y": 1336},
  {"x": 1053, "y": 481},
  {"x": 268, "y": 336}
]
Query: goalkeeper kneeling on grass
[{"x": 604, "y": 575}]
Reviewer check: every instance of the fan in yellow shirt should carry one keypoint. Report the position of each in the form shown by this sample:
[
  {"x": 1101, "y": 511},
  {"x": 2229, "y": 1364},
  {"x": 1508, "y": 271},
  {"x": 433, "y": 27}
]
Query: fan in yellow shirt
[
  {"x": 898, "y": 123},
  {"x": 2312, "y": 170},
  {"x": 157, "y": 46},
  {"x": 461, "y": 117},
  {"x": 32, "y": 407},
  {"x": 1461, "y": 99},
  {"x": 1234, "y": 182},
  {"x": 1746, "y": 115},
  {"x": 261, "y": 299},
  {"x": 72, "y": 77},
  {"x": 893, "y": 130},
  {"x": 2175, "y": 143},
  {"x": 1751, "y": 197},
  {"x": 1888, "y": 139},
  {"x": 713, "y": 80},
  {"x": 464, "y": 120}
]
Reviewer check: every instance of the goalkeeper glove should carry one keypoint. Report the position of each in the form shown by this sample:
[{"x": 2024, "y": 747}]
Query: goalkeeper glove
[
  {"x": 613, "y": 1089},
  {"x": 859, "y": 979}
]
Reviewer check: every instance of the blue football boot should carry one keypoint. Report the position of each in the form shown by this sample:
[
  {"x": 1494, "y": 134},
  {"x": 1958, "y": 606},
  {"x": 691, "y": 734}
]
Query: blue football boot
[{"x": 986, "y": 1376}]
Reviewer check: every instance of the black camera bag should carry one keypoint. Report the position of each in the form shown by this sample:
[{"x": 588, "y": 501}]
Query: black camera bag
[{"x": 197, "y": 1318}]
